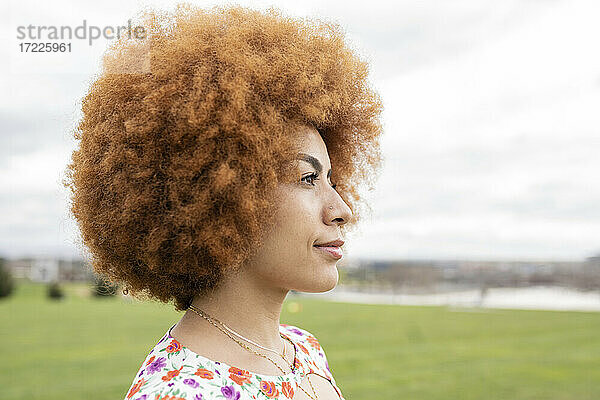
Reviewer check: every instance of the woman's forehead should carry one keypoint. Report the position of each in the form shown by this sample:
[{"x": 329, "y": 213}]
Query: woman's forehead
[{"x": 310, "y": 143}]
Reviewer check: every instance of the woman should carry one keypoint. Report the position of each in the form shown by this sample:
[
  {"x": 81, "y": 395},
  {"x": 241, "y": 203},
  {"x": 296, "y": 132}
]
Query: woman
[{"x": 221, "y": 179}]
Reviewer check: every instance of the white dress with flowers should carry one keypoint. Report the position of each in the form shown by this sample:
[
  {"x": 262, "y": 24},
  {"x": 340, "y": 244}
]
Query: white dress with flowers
[{"x": 171, "y": 371}]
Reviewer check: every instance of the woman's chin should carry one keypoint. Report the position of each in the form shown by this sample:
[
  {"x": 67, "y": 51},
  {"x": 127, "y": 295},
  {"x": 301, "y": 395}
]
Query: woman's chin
[
  {"x": 324, "y": 277},
  {"x": 328, "y": 281}
]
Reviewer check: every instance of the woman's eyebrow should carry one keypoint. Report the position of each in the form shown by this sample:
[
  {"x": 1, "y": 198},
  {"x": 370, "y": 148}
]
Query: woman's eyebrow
[{"x": 314, "y": 162}]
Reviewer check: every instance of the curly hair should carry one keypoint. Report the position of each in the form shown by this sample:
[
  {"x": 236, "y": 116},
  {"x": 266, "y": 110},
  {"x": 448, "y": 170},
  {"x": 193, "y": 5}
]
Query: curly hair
[{"x": 170, "y": 185}]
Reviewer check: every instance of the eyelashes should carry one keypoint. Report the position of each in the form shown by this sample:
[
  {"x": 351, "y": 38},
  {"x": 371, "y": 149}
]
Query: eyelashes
[{"x": 314, "y": 177}]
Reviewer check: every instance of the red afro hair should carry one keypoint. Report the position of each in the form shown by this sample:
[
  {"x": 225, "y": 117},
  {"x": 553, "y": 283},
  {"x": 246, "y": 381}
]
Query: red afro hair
[{"x": 171, "y": 181}]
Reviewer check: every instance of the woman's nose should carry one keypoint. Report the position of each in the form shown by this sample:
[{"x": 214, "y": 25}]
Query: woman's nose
[{"x": 338, "y": 211}]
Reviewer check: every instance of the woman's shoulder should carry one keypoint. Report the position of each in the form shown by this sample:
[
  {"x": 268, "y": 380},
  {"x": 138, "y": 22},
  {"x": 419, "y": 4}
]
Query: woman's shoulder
[
  {"x": 308, "y": 343},
  {"x": 315, "y": 359},
  {"x": 300, "y": 336},
  {"x": 169, "y": 373}
]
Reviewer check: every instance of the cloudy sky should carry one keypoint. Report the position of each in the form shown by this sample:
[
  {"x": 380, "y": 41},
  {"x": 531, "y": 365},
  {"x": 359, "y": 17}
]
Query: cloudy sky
[{"x": 492, "y": 125}]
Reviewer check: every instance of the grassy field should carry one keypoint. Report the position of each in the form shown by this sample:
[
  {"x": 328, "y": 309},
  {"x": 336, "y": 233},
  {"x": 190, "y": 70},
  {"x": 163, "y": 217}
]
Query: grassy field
[{"x": 85, "y": 348}]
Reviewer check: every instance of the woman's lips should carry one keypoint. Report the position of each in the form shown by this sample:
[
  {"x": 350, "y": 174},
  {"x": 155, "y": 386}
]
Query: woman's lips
[{"x": 335, "y": 252}]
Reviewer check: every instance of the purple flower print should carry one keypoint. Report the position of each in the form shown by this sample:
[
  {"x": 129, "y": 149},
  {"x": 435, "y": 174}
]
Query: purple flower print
[
  {"x": 191, "y": 382},
  {"x": 171, "y": 384},
  {"x": 327, "y": 365},
  {"x": 230, "y": 393},
  {"x": 198, "y": 397},
  {"x": 143, "y": 397},
  {"x": 297, "y": 331},
  {"x": 156, "y": 365}
]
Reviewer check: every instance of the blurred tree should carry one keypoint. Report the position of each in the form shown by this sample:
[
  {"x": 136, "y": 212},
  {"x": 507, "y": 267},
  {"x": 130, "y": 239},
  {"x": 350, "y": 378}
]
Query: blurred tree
[
  {"x": 55, "y": 292},
  {"x": 7, "y": 282}
]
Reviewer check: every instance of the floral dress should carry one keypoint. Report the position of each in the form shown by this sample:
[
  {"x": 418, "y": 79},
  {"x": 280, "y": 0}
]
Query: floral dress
[{"x": 171, "y": 371}]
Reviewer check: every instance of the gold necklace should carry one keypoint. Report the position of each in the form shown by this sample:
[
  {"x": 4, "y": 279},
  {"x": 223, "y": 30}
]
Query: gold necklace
[{"x": 210, "y": 319}]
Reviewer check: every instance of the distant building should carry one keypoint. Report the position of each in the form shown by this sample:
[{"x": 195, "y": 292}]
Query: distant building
[
  {"x": 44, "y": 270},
  {"x": 593, "y": 261},
  {"x": 47, "y": 269},
  {"x": 20, "y": 268},
  {"x": 592, "y": 265}
]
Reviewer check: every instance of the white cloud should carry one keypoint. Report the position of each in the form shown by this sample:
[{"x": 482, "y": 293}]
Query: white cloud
[{"x": 500, "y": 143}]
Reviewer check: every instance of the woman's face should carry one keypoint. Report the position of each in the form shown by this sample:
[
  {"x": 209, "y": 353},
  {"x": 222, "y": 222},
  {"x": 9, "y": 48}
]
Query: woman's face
[{"x": 309, "y": 212}]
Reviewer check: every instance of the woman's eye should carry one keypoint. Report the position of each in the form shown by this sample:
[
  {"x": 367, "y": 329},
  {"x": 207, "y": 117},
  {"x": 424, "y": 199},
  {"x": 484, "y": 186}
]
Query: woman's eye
[{"x": 312, "y": 178}]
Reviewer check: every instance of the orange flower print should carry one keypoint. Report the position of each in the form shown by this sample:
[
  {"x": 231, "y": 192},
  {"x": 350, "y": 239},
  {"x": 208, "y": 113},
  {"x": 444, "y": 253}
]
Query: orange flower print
[
  {"x": 136, "y": 388},
  {"x": 239, "y": 376},
  {"x": 171, "y": 374},
  {"x": 297, "y": 364},
  {"x": 314, "y": 342},
  {"x": 303, "y": 348},
  {"x": 173, "y": 347},
  {"x": 150, "y": 360},
  {"x": 167, "y": 397},
  {"x": 204, "y": 373},
  {"x": 269, "y": 388},
  {"x": 287, "y": 390}
]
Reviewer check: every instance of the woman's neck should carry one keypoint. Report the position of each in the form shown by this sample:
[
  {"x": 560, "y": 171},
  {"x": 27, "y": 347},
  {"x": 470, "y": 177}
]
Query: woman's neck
[{"x": 246, "y": 305}]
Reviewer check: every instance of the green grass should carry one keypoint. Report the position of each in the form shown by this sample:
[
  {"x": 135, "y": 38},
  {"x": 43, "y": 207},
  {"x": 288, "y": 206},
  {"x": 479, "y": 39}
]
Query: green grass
[{"x": 85, "y": 348}]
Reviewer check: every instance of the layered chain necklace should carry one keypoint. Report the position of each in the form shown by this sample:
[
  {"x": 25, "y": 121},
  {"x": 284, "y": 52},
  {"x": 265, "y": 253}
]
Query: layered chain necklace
[{"x": 282, "y": 355}]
